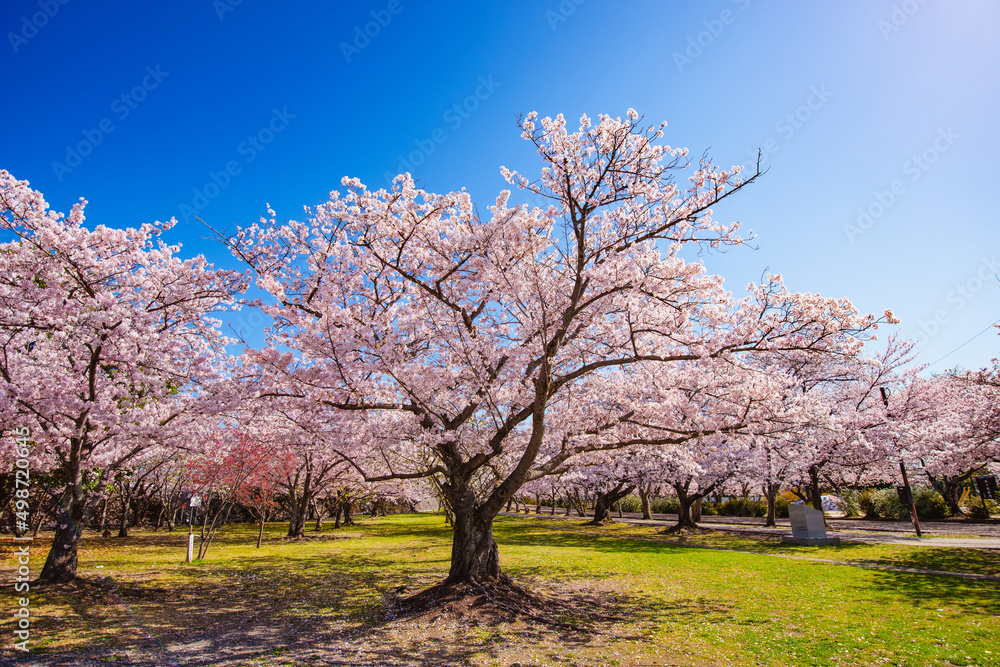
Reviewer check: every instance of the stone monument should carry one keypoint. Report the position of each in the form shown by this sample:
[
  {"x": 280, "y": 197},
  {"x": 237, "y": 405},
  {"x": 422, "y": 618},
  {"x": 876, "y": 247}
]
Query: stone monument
[{"x": 808, "y": 527}]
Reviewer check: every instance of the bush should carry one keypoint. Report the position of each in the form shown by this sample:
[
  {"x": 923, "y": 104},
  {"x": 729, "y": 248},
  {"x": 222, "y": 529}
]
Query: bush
[
  {"x": 708, "y": 508},
  {"x": 884, "y": 504},
  {"x": 780, "y": 508},
  {"x": 887, "y": 505},
  {"x": 630, "y": 504},
  {"x": 850, "y": 502},
  {"x": 866, "y": 503},
  {"x": 982, "y": 509},
  {"x": 930, "y": 504},
  {"x": 665, "y": 505},
  {"x": 743, "y": 507}
]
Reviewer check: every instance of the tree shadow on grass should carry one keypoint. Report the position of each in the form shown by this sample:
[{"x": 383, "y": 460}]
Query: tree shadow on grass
[
  {"x": 973, "y": 561},
  {"x": 318, "y": 611},
  {"x": 213, "y": 614},
  {"x": 965, "y": 593},
  {"x": 331, "y": 608},
  {"x": 969, "y": 595}
]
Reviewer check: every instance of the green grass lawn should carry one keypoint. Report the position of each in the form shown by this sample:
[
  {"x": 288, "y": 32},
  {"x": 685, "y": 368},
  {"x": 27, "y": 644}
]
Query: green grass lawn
[{"x": 318, "y": 600}]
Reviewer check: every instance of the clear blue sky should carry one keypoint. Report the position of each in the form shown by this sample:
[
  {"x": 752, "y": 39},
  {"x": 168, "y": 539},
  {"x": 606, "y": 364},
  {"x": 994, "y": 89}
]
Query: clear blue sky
[{"x": 878, "y": 119}]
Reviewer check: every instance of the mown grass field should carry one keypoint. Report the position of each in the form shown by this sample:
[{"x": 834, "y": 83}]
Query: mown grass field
[{"x": 322, "y": 601}]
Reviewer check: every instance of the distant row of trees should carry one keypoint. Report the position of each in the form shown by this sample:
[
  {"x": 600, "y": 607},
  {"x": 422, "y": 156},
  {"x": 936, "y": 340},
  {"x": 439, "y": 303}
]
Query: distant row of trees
[
  {"x": 867, "y": 416},
  {"x": 251, "y": 481}
]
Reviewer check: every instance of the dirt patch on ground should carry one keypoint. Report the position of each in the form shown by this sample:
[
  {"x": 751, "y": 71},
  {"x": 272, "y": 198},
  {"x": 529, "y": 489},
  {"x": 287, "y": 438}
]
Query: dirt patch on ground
[
  {"x": 563, "y": 623},
  {"x": 678, "y": 531},
  {"x": 313, "y": 537}
]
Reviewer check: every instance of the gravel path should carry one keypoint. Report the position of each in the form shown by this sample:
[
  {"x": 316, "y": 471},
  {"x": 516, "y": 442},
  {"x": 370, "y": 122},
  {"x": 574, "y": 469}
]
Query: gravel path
[{"x": 960, "y": 533}]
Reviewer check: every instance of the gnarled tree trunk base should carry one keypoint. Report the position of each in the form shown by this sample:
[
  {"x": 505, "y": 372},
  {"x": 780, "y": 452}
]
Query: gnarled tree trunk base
[
  {"x": 487, "y": 603},
  {"x": 679, "y": 529}
]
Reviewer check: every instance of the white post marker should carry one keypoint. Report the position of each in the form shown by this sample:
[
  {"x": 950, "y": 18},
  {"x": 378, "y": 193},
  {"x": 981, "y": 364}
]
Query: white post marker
[{"x": 190, "y": 547}]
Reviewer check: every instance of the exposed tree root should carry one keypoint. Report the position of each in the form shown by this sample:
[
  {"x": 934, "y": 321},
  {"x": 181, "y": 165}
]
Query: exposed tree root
[
  {"x": 685, "y": 530},
  {"x": 603, "y": 522},
  {"x": 314, "y": 537},
  {"x": 489, "y": 602}
]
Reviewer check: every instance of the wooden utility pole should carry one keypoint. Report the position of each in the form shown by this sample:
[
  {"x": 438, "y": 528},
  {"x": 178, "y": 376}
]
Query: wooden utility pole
[
  {"x": 907, "y": 490},
  {"x": 909, "y": 495}
]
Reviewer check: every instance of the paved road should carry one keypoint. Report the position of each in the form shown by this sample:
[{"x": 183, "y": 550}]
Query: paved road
[{"x": 951, "y": 533}]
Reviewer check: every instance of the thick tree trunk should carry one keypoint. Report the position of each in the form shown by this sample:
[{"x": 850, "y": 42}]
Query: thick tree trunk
[
  {"x": 475, "y": 557},
  {"x": 605, "y": 502},
  {"x": 73, "y": 513},
  {"x": 950, "y": 489},
  {"x": 815, "y": 496},
  {"x": 104, "y": 515},
  {"x": 644, "y": 490},
  {"x": 552, "y": 512},
  {"x": 538, "y": 503},
  {"x": 300, "y": 511},
  {"x": 299, "y": 502},
  {"x": 581, "y": 507},
  {"x": 685, "y": 517},
  {"x": 348, "y": 517},
  {"x": 771, "y": 493},
  {"x": 60, "y": 566},
  {"x": 297, "y": 524},
  {"x": 123, "y": 522},
  {"x": 602, "y": 511}
]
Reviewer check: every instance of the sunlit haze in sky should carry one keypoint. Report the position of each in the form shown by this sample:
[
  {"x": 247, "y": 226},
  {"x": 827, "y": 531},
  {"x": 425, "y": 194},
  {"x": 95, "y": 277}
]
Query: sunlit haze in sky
[{"x": 876, "y": 121}]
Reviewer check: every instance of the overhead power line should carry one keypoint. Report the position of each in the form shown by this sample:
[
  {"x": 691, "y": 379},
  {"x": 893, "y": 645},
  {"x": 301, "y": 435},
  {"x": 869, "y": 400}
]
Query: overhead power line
[{"x": 988, "y": 327}]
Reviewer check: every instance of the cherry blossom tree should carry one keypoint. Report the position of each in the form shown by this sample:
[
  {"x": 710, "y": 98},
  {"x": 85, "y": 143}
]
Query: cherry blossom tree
[
  {"x": 489, "y": 349},
  {"x": 169, "y": 481},
  {"x": 107, "y": 344},
  {"x": 840, "y": 432},
  {"x": 259, "y": 491},
  {"x": 948, "y": 424},
  {"x": 233, "y": 468}
]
